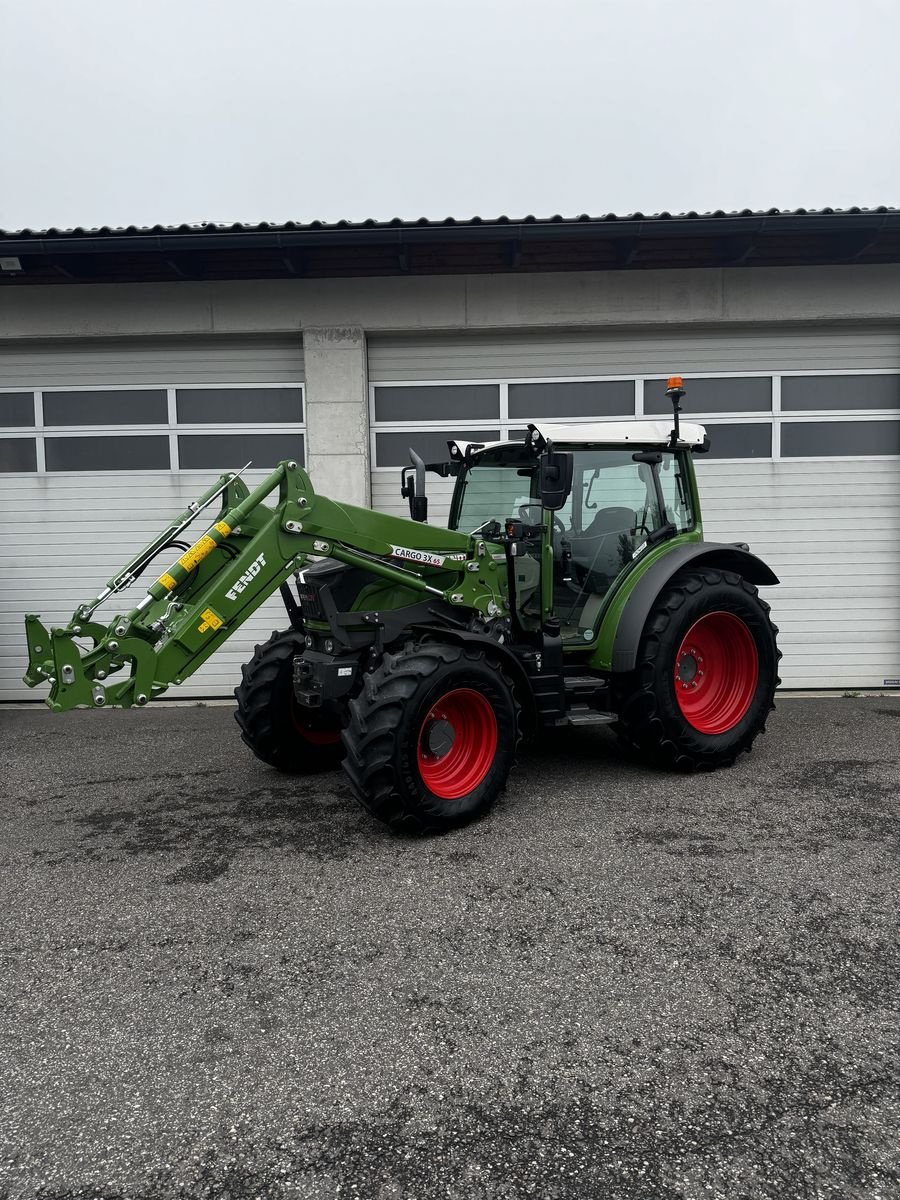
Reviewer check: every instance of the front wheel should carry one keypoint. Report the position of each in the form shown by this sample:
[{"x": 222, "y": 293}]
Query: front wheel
[
  {"x": 706, "y": 673},
  {"x": 277, "y": 728},
  {"x": 432, "y": 737}
]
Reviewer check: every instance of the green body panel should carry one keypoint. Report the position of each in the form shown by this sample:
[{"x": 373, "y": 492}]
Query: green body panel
[
  {"x": 384, "y": 597},
  {"x": 600, "y": 651},
  {"x": 243, "y": 557}
]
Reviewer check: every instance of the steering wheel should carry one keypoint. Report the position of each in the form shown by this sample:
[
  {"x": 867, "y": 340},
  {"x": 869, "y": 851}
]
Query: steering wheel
[{"x": 525, "y": 515}]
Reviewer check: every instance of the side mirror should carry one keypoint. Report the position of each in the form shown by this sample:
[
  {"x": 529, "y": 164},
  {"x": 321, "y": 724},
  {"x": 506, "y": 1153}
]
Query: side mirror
[
  {"x": 412, "y": 487},
  {"x": 555, "y": 478}
]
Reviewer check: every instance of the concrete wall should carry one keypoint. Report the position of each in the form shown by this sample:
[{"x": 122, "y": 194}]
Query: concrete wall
[
  {"x": 460, "y": 302},
  {"x": 337, "y": 412}
]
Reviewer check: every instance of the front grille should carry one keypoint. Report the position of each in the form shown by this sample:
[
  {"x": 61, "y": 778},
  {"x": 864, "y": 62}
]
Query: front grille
[{"x": 310, "y": 605}]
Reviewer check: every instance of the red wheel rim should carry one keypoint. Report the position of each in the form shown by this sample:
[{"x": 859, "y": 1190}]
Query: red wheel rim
[
  {"x": 313, "y": 728},
  {"x": 457, "y": 743},
  {"x": 716, "y": 671}
]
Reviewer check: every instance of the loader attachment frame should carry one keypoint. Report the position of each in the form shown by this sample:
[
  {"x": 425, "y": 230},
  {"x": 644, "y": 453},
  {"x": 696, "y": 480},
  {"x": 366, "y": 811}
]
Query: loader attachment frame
[{"x": 244, "y": 556}]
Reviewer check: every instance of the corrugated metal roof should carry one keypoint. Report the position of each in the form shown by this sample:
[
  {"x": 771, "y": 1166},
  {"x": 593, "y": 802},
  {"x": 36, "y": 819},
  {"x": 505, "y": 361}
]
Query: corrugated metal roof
[
  {"x": 431, "y": 223},
  {"x": 215, "y": 250}
]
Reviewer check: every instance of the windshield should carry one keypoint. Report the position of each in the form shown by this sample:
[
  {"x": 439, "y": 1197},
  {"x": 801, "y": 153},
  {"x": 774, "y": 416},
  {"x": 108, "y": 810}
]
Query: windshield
[{"x": 493, "y": 493}]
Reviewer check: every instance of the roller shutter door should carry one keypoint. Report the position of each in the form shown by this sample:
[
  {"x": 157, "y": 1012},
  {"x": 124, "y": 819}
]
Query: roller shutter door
[
  {"x": 805, "y": 423},
  {"x": 133, "y": 431}
]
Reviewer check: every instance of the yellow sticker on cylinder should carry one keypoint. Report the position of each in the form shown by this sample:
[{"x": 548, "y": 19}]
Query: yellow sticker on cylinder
[
  {"x": 197, "y": 552},
  {"x": 223, "y": 527},
  {"x": 210, "y": 620},
  {"x": 167, "y": 581}
]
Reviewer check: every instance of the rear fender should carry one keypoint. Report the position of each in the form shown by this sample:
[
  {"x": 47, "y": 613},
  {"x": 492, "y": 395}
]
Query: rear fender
[{"x": 727, "y": 557}]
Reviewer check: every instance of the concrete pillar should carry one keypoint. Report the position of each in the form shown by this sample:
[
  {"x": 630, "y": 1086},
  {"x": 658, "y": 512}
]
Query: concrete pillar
[{"x": 337, "y": 412}]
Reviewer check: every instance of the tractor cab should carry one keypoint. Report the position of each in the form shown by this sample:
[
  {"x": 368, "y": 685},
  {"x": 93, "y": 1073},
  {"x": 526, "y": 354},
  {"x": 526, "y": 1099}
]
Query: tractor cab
[{"x": 626, "y": 489}]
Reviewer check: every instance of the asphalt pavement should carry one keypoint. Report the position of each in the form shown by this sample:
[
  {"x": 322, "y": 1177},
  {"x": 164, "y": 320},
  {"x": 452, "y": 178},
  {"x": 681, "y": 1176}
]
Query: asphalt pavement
[{"x": 216, "y": 981}]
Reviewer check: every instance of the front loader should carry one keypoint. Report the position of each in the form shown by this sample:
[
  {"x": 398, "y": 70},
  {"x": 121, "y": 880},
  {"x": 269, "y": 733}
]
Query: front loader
[{"x": 572, "y": 587}]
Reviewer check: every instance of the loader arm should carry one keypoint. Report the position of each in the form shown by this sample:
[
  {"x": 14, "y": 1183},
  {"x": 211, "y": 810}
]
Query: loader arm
[{"x": 243, "y": 558}]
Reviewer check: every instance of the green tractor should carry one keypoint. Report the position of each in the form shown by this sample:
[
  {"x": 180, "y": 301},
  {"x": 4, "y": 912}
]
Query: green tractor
[{"x": 572, "y": 587}]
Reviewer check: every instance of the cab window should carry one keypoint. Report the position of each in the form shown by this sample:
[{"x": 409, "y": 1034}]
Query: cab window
[
  {"x": 615, "y": 509},
  {"x": 676, "y": 493},
  {"x": 493, "y": 493}
]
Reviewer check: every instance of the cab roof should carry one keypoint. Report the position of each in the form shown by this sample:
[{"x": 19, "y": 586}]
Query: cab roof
[{"x": 656, "y": 434}]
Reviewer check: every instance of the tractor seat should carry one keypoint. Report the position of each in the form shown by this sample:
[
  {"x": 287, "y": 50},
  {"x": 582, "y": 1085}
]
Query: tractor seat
[{"x": 599, "y": 553}]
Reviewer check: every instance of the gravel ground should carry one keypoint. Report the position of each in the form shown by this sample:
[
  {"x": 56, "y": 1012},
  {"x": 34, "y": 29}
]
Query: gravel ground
[{"x": 219, "y": 981}]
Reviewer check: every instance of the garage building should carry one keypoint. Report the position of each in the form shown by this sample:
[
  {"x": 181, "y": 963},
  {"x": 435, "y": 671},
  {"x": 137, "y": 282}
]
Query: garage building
[{"x": 136, "y": 364}]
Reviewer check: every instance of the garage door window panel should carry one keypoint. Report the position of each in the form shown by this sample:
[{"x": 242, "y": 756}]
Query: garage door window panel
[
  {"x": 108, "y": 453},
  {"x": 108, "y": 407},
  {"x": 740, "y": 440},
  {"x": 392, "y": 449},
  {"x": 809, "y": 393},
  {"x": 711, "y": 396},
  {"x": 237, "y": 406},
  {"x": 827, "y": 439},
  {"x": 16, "y": 410},
  {"x": 435, "y": 402},
  {"x": 229, "y": 451},
  {"x": 591, "y": 400},
  {"x": 18, "y": 454}
]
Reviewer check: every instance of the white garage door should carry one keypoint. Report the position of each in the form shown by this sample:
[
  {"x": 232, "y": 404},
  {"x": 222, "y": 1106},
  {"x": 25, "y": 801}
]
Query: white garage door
[
  {"x": 805, "y": 461},
  {"x": 101, "y": 442}
]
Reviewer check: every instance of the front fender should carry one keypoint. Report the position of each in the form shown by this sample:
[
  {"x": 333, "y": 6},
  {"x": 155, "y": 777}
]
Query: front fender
[
  {"x": 510, "y": 663},
  {"x": 728, "y": 557}
]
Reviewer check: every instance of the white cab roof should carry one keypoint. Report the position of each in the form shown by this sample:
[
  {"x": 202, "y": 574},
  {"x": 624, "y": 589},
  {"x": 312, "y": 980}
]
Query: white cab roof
[
  {"x": 611, "y": 433},
  {"x": 621, "y": 433}
]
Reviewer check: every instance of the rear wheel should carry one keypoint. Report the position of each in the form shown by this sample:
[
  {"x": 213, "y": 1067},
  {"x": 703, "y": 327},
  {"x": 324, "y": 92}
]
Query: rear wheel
[
  {"x": 706, "y": 673},
  {"x": 277, "y": 728},
  {"x": 432, "y": 737}
]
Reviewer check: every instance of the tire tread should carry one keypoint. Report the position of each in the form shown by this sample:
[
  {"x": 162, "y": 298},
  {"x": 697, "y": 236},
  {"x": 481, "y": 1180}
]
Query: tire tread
[
  {"x": 256, "y": 715},
  {"x": 641, "y": 725},
  {"x": 371, "y": 737}
]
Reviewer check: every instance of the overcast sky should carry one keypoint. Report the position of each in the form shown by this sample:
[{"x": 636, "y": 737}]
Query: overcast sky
[{"x": 120, "y": 111}]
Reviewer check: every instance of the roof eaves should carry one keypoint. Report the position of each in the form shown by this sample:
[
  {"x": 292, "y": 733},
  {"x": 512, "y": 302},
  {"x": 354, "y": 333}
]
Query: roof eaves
[{"x": 212, "y": 229}]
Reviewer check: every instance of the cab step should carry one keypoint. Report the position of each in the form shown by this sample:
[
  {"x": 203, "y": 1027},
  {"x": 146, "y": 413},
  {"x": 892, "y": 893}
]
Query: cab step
[
  {"x": 585, "y": 685},
  {"x": 580, "y": 714}
]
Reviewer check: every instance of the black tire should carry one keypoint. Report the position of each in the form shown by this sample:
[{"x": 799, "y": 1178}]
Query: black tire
[
  {"x": 279, "y": 730},
  {"x": 652, "y": 719},
  {"x": 389, "y": 737}
]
